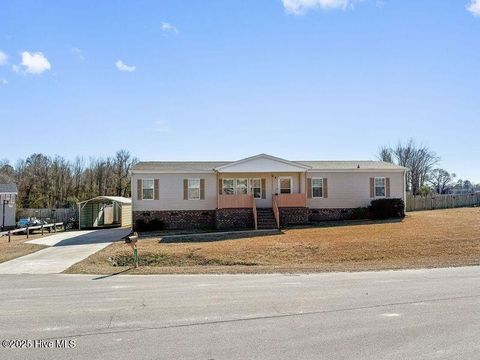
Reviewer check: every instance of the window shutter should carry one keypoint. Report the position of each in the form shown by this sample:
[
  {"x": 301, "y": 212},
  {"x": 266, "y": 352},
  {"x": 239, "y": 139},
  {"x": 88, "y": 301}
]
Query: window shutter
[
  {"x": 372, "y": 187},
  {"x": 387, "y": 187},
  {"x": 202, "y": 189},
  {"x": 156, "y": 190},
  {"x": 139, "y": 189},
  {"x": 264, "y": 189},
  {"x": 185, "y": 189},
  {"x": 220, "y": 186},
  {"x": 325, "y": 188},
  {"x": 309, "y": 188}
]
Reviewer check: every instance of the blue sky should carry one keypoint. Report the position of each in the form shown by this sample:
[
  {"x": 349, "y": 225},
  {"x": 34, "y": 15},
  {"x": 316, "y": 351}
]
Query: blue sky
[{"x": 300, "y": 79}]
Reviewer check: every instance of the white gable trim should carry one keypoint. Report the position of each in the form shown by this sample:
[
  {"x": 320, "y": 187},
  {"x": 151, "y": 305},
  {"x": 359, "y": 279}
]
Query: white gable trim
[{"x": 295, "y": 166}]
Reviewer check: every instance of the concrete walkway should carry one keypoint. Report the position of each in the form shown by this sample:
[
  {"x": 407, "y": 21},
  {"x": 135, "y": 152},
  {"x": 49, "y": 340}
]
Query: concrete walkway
[{"x": 65, "y": 249}]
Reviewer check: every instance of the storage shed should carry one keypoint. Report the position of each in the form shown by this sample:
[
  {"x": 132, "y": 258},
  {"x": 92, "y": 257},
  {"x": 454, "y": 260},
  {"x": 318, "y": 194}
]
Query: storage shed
[{"x": 105, "y": 212}]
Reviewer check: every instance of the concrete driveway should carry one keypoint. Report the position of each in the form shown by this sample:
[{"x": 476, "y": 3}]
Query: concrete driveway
[{"x": 65, "y": 249}]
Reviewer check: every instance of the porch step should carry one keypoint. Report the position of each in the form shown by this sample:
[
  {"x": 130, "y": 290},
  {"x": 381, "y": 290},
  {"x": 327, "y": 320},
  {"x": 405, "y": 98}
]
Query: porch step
[{"x": 266, "y": 219}]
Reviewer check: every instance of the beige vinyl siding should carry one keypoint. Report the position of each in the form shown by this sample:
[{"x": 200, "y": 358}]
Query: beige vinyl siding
[
  {"x": 351, "y": 190},
  {"x": 171, "y": 192}
]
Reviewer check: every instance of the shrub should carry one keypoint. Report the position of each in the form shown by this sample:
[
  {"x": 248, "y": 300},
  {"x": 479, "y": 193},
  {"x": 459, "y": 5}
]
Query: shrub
[
  {"x": 359, "y": 213},
  {"x": 387, "y": 208}
]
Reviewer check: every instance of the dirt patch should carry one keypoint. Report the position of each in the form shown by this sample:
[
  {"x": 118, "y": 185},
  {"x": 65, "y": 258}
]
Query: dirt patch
[{"x": 424, "y": 239}]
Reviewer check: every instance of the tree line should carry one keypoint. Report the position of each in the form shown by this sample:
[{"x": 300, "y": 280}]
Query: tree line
[
  {"x": 54, "y": 182},
  {"x": 425, "y": 176}
]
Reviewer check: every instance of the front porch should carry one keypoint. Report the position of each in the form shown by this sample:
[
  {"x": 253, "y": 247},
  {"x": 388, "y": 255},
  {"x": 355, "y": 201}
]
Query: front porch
[{"x": 262, "y": 183}]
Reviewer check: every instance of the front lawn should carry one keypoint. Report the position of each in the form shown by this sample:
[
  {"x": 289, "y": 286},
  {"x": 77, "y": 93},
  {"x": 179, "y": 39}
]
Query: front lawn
[
  {"x": 424, "y": 239},
  {"x": 18, "y": 246}
]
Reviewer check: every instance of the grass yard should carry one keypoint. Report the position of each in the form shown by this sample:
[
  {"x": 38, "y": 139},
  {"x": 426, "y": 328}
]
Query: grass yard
[
  {"x": 424, "y": 239},
  {"x": 18, "y": 246}
]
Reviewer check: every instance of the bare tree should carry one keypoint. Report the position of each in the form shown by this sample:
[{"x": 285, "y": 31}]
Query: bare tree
[
  {"x": 419, "y": 159},
  {"x": 385, "y": 154},
  {"x": 441, "y": 181},
  {"x": 46, "y": 182}
]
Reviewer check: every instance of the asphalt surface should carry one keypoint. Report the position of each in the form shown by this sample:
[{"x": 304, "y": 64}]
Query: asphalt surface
[
  {"x": 415, "y": 314},
  {"x": 65, "y": 249}
]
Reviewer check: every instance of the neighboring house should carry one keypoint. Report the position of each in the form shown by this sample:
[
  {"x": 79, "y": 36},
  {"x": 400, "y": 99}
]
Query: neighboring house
[
  {"x": 8, "y": 196},
  {"x": 263, "y": 189}
]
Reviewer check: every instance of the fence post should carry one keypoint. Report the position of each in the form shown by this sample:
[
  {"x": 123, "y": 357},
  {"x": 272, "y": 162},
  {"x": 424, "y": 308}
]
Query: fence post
[
  {"x": 42, "y": 229},
  {"x": 9, "y": 236},
  {"x": 28, "y": 232}
]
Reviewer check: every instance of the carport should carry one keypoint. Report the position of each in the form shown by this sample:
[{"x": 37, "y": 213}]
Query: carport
[{"x": 105, "y": 212}]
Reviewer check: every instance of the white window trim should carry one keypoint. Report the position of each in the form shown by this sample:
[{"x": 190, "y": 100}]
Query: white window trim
[
  {"x": 234, "y": 186},
  {"x": 280, "y": 178},
  {"x": 199, "y": 189},
  {"x": 251, "y": 189},
  {"x": 375, "y": 187},
  {"x": 143, "y": 187},
  {"x": 323, "y": 193}
]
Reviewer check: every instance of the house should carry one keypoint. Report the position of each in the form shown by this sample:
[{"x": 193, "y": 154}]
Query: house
[
  {"x": 261, "y": 191},
  {"x": 8, "y": 195}
]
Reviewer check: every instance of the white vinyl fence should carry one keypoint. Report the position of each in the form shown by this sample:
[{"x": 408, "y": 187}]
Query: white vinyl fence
[
  {"x": 432, "y": 202},
  {"x": 58, "y": 215}
]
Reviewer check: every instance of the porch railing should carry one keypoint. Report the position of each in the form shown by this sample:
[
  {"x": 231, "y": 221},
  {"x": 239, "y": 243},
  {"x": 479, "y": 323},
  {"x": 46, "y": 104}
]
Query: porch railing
[
  {"x": 235, "y": 201},
  {"x": 290, "y": 200},
  {"x": 276, "y": 212}
]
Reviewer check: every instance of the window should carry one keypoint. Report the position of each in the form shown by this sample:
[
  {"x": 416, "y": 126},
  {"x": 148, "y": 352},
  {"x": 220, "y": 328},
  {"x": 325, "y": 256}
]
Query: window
[
  {"x": 228, "y": 187},
  {"x": 242, "y": 186},
  {"x": 317, "y": 188},
  {"x": 285, "y": 185},
  {"x": 193, "y": 189},
  {"x": 256, "y": 189},
  {"x": 147, "y": 189},
  {"x": 380, "y": 185}
]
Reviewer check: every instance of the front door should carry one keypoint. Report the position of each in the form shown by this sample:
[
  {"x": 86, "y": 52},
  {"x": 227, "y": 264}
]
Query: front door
[{"x": 285, "y": 185}]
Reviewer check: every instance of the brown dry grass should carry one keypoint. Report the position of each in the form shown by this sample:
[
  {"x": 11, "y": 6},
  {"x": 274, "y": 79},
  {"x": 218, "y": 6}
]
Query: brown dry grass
[
  {"x": 424, "y": 239},
  {"x": 18, "y": 247}
]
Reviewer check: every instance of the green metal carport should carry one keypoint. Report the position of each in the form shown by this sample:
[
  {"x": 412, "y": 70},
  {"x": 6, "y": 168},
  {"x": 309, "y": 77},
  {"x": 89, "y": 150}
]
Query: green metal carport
[{"x": 105, "y": 212}]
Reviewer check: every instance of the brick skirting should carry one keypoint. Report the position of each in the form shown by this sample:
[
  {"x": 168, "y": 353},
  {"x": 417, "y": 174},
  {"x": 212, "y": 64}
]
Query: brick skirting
[
  {"x": 174, "y": 220},
  {"x": 234, "y": 219},
  {"x": 229, "y": 219},
  {"x": 293, "y": 216},
  {"x": 317, "y": 215}
]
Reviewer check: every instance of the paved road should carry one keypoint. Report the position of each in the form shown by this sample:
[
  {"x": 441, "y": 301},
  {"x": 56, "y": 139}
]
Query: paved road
[
  {"x": 425, "y": 314},
  {"x": 65, "y": 249}
]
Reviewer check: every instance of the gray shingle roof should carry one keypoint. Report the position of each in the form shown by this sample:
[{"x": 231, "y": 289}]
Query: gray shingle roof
[
  {"x": 351, "y": 165},
  {"x": 8, "y": 189},
  {"x": 179, "y": 165},
  {"x": 210, "y": 165}
]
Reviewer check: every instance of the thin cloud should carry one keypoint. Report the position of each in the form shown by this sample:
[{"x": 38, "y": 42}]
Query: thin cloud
[
  {"x": 298, "y": 7},
  {"x": 161, "y": 126},
  {"x": 474, "y": 7},
  {"x": 121, "y": 66},
  {"x": 3, "y": 58},
  {"x": 33, "y": 63},
  {"x": 3, "y": 82},
  {"x": 168, "y": 28},
  {"x": 78, "y": 53}
]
